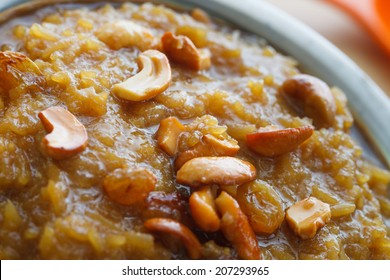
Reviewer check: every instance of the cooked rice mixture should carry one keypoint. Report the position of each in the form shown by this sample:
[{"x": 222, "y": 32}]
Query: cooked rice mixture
[{"x": 137, "y": 132}]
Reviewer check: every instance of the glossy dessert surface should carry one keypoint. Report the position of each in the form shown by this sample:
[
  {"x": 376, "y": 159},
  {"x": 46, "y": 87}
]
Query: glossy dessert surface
[{"x": 135, "y": 131}]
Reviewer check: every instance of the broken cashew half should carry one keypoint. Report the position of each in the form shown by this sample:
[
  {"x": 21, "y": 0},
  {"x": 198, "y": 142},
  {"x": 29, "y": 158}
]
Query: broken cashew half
[
  {"x": 67, "y": 136},
  {"x": 236, "y": 228},
  {"x": 182, "y": 50},
  {"x": 215, "y": 170},
  {"x": 270, "y": 141},
  {"x": 168, "y": 134},
  {"x": 307, "y": 216},
  {"x": 153, "y": 79},
  {"x": 203, "y": 209}
]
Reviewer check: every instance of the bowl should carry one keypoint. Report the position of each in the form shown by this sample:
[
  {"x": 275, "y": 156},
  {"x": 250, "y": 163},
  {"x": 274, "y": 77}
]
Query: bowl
[{"x": 317, "y": 56}]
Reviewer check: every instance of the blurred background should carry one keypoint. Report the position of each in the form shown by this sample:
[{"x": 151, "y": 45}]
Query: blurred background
[{"x": 344, "y": 32}]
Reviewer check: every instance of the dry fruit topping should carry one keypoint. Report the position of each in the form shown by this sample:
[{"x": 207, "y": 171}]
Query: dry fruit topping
[
  {"x": 271, "y": 141},
  {"x": 179, "y": 230},
  {"x": 236, "y": 228},
  {"x": 203, "y": 209},
  {"x": 312, "y": 97},
  {"x": 215, "y": 170},
  {"x": 154, "y": 78},
  {"x": 307, "y": 216},
  {"x": 128, "y": 186},
  {"x": 67, "y": 136},
  {"x": 168, "y": 135},
  {"x": 181, "y": 49},
  {"x": 16, "y": 69}
]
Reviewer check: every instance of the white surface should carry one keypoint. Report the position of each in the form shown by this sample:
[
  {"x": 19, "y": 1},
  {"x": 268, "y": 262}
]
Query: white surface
[{"x": 194, "y": 270}]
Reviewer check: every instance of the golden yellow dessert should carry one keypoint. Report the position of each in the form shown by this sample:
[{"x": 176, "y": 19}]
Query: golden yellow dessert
[{"x": 138, "y": 132}]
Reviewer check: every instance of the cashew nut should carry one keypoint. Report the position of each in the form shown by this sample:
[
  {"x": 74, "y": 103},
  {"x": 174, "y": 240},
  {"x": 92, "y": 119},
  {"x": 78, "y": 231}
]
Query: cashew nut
[
  {"x": 125, "y": 33},
  {"x": 153, "y": 79},
  {"x": 209, "y": 146},
  {"x": 67, "y": 136},
  {"x": 129, "y": 186},
  {"x": 179, "y": 230},
  {"x": 182, "y": 50},
  {"x": 215, "y": 170},
  {"x": 312, "y": 97},
  {"x": 271, "y": 141},
  {"x": 236, "y": 228},
  {"x": 168, "y": 133},
  {"x": 203, "y": 209},
  {"x": 17, "y": 69},
  {"x": 307, "y": 216}
]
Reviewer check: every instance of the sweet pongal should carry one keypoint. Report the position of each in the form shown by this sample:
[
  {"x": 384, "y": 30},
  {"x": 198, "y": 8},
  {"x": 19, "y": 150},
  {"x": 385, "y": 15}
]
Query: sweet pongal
[{"x": 138, "y": 132}]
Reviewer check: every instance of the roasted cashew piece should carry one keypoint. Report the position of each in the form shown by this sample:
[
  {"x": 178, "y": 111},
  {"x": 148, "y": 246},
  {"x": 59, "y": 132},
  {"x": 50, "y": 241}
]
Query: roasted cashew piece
[
  {"x": 236, "y": 228},
  {"x": 67, "y": 136},
  {"x": 124, "y": 34},
  {"x": 182, "y": 50},
  {"x": 168, "y": 133},
  {"x": 312, "y": 97},
  {"x": 307, "y": 216},
  {"x": 179, "y": 230},
  {"x": 128, "y": 186},
  {"x": 203, "y": 209},
  {"x": 210, "y": 145},
  {"x": 17, "y": 69},
  {"x": 271, "y": 141},
  {"x": 215, "y": 170},
  {"x": 153, "y": 79}
]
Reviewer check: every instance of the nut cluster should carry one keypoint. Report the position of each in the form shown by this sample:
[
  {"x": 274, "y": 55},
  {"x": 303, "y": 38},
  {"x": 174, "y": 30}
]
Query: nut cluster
[{"x": 207, "y": 165}]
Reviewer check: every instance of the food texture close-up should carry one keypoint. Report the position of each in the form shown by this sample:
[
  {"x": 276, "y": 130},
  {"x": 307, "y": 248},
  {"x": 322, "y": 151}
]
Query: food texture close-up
[{"x": 148, "y": 131}]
